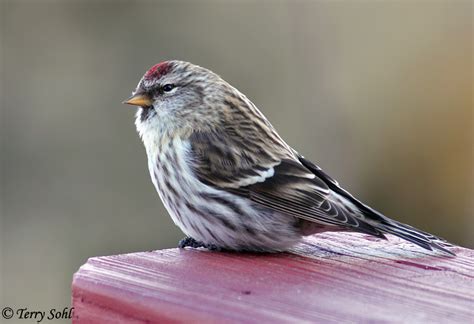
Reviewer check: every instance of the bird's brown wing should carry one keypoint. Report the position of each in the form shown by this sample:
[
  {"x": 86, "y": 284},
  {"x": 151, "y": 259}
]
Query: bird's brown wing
[
  {"x": 283, "y": 181},
  {"x": 273, "y": 178}
]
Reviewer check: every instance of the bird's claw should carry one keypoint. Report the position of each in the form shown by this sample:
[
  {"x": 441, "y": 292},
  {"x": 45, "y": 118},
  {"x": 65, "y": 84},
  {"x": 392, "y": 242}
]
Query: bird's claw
[{"x": 189, "y": 241}]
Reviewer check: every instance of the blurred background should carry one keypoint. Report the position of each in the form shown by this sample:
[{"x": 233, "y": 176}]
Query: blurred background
[{"x": 378, "y": 93}]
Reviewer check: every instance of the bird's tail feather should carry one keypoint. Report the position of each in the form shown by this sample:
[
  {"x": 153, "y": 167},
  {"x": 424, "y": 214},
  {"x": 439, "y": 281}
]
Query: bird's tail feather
[{"x": 416, "y": 236}]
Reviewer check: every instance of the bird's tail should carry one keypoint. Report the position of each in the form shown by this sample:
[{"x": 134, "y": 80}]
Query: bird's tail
[
  {"x": 416, "y": 236},
  {"x": 375, "y": 223}
]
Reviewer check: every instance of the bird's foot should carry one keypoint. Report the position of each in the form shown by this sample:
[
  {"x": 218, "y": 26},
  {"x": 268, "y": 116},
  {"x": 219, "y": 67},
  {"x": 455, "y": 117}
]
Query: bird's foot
[{"x": 189, "y": 241}]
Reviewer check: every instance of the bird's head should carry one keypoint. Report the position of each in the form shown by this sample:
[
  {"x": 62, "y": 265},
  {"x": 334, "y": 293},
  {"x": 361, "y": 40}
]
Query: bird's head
[{"x": 177, "y": 95}]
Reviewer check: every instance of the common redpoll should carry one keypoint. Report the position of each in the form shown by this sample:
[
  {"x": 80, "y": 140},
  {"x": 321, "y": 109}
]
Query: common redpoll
[{"x": 226, "y": 177}]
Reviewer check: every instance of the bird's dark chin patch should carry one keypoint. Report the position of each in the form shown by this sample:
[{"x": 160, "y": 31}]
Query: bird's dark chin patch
[{"x": 146, "y": 112}]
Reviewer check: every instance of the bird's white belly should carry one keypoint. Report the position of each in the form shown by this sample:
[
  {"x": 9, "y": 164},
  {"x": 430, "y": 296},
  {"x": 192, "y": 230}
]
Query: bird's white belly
[{"x": 210, "y": 215}]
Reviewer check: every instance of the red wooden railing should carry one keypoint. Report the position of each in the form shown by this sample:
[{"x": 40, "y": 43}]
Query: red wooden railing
[{"x": 331, "y": 277}]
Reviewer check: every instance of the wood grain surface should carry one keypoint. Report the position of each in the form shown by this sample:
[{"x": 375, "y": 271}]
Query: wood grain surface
[{"x": 330, "y": 277}]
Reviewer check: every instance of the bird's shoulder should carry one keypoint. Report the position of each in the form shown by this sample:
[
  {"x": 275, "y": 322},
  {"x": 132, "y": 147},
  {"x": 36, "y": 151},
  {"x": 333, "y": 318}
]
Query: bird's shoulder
[{"x": 232, "y": 159}]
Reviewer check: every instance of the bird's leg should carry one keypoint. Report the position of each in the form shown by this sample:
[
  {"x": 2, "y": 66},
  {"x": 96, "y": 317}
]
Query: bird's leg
[{"x": 189, "y": 241}]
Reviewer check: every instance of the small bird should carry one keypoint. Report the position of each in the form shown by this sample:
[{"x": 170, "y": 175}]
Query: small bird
[{"x": 227, "y": 178}]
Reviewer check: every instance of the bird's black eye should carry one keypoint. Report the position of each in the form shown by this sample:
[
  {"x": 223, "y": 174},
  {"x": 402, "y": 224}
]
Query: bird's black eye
[{"x": 168, "y": 87}]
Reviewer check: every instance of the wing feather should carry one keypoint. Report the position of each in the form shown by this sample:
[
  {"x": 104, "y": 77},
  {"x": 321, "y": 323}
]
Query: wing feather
[{"x": 276, "y": 180}]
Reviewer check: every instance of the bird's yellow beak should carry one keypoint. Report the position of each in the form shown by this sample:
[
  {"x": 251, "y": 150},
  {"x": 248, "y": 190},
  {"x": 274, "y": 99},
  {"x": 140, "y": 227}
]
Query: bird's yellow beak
[{"x": 139, "y": 99}]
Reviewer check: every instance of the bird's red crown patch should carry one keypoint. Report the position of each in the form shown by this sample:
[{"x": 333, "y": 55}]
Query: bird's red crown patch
[{"x": 157, "y": 70}]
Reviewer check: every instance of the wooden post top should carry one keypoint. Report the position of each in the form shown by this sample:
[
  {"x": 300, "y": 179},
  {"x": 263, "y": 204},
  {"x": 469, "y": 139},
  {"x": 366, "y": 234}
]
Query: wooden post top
[{"x": 330, "y": 277}]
